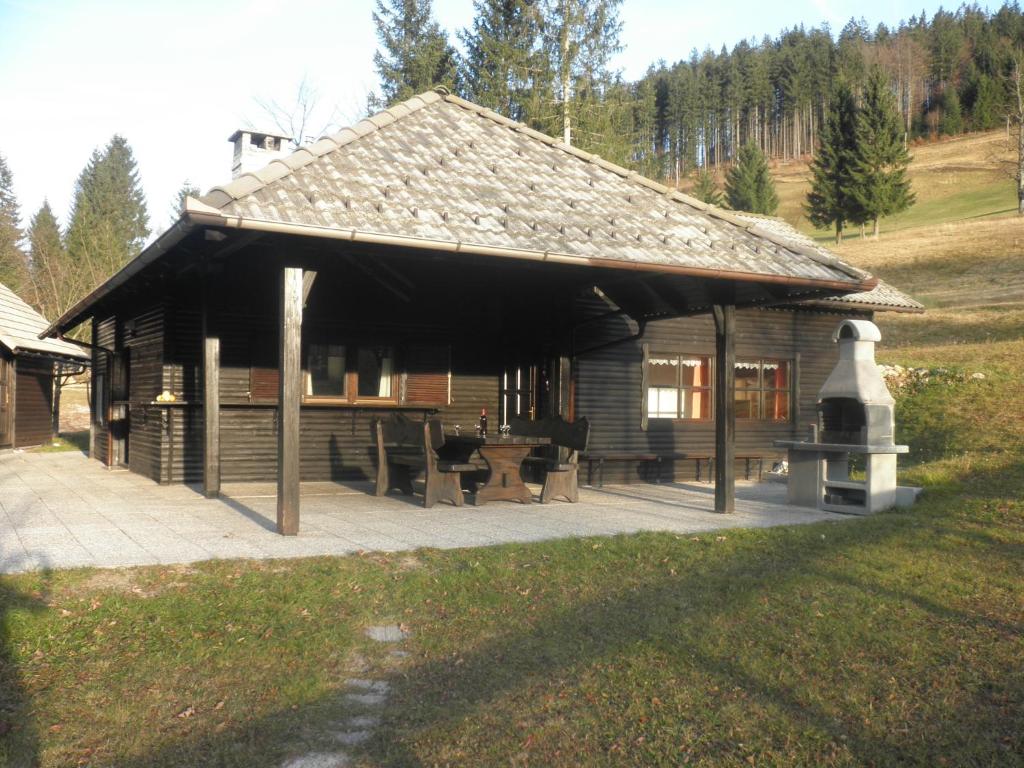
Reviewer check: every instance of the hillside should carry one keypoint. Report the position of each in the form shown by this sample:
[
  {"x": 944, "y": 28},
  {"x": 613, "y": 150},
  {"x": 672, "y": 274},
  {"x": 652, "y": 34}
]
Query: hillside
[{"x": 954, "y": 179}]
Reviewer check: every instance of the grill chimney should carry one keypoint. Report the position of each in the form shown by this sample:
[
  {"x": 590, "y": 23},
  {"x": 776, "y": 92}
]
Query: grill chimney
[{"x": 254, "y": 149}]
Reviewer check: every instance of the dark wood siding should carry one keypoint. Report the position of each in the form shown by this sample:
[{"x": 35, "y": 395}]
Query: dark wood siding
[
  {"x": 104, "y": 335},
  {"x": 609, "y": 387},
  {"x": 145, "y": 383},
  {"x": 33, "y": 402}
]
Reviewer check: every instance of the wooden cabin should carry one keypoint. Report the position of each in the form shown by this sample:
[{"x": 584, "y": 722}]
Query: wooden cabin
[
  {"x": 30, "y": 370},
  {"x": 440, "y": 259}
]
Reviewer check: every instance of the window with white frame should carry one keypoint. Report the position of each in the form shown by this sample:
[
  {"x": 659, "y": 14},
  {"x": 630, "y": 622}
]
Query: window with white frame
[{"x": 678, "y": 386}]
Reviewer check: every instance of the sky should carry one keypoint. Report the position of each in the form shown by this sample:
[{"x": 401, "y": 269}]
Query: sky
[{"x": 177, "y": 78}]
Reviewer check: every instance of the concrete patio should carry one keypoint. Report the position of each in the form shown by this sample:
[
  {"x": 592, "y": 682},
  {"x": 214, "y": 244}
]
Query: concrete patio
[{"x": 60, "y": 510}]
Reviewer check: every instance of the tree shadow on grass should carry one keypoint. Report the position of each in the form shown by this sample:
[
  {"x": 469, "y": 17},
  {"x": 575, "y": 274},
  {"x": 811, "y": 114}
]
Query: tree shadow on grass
[{"x": 19, "y": 736}]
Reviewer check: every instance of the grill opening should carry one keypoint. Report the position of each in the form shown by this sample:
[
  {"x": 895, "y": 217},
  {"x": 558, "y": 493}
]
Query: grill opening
[{"x": 843, "y": 420}]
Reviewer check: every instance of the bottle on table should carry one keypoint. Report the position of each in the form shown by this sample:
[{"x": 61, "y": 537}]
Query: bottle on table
[{"x": 483, "y": 422}]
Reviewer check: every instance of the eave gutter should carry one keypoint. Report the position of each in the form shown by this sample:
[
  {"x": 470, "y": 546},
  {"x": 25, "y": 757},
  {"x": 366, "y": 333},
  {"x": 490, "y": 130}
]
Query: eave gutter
[
  {"x": 214, "y": 218},
  {"x": 154, "y": 251}
]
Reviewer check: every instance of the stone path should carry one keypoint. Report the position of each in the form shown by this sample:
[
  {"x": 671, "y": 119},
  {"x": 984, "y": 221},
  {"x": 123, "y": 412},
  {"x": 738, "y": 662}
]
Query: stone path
[
  {"x": 367, "y": 697},
  {"x": 62, "y": 510}
]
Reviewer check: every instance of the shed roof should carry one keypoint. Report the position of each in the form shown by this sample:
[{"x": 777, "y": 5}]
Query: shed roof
[
  {"x": 441, "y": 169},
  {"x": 20, "y": 326}
]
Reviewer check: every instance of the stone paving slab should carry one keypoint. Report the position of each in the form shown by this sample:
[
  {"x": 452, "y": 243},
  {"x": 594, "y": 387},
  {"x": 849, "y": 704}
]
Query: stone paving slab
[{"x": 62, "y": 510}]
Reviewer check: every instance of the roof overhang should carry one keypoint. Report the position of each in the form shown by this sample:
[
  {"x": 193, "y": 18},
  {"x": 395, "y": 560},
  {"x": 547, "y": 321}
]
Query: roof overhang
[{"x": 198, "y": 214}]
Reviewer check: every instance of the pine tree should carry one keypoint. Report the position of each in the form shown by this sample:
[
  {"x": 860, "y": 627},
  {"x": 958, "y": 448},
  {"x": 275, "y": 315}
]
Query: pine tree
[
  {"x": 109, "y": 224},
  {"x": 706, "y": 188},
  {"x": 580, "y": 37},
  {"x": 55, "y": 283},
  {"x": 415, "y": 54},
  {"x": 188, "y": 189},
  {"x": 878, "y": 173},
  {"x": 501, "y": 62},
  {"x": 829, "y": 202},
  {"x": 952, "y": 122},
  {"x": 13, "y": 265},
  {"x": 748, "y": 183}
]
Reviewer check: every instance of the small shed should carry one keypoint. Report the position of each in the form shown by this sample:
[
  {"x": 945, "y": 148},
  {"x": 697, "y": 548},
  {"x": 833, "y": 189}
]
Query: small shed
[{"x": 29, "y": 373}]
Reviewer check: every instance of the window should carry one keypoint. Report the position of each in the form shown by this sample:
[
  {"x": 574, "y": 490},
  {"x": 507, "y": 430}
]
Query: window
[
  {"x": 350, "y": 373},
  {"x": 763, "y": 389},
  {"x": 678, "y": 386}
]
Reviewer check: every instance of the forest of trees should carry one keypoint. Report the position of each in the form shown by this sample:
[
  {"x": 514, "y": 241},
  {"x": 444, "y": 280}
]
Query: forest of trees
[{"x": 545, "y": 62}]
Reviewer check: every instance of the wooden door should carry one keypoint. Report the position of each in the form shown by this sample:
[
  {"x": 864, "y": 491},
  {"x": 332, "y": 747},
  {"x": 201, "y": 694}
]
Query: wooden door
[{"x": 6, "y": 402}]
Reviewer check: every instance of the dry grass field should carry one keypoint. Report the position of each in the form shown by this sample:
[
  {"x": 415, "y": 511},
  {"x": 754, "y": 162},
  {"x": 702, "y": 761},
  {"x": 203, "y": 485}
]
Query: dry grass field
[{"x": 954, "y": 180}]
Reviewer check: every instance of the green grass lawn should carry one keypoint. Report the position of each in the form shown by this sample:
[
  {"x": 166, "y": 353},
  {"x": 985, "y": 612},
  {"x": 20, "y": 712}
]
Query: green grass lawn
[{"x": 890, "y": 640}]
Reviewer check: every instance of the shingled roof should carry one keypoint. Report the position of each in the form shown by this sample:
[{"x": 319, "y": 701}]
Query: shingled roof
[
  {"x": 20, "y": 326},
  {"x": 439, "y": 169}
]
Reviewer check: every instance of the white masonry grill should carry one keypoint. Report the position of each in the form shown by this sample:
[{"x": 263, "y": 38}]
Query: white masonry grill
[{"x": 856, "y": 417}]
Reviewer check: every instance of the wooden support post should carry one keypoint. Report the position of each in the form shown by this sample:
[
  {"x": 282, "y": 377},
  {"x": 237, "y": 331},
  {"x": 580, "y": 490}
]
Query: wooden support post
[
  {"x": 211, "y": 403},
  {"x": 725, "y": 407},
  {"x": 289, "y": 396}
]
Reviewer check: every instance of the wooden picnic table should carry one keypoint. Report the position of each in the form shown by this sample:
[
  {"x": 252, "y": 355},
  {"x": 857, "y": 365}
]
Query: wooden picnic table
[{"x": 504, "y": 455}]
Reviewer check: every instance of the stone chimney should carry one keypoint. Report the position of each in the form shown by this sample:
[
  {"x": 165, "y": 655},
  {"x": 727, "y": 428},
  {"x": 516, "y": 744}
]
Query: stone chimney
[{"x": 254, "y": 149}]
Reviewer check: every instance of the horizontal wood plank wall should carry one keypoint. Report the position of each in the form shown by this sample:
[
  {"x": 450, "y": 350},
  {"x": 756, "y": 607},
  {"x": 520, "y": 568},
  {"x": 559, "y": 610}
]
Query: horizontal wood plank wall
[
  {"x": 105, "y": 335},
  {"x": 609, "y": 388},
  {"x": 335, "y": 442},
  {"x": 146, "y": 382},
  {"x": 33, "y": 403}
]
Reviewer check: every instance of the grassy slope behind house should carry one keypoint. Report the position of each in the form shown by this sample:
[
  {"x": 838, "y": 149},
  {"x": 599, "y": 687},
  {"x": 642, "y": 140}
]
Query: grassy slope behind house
[
  {"x": 954, "y": 180},
  {"x": 895, "y": 639}
]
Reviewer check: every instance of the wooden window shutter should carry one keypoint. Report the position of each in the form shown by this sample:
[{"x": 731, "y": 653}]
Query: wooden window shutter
[
  {"x": 427, "y": 377},
  {"x": 643, "y": 387},
  {"x": 264, "y": 377}
]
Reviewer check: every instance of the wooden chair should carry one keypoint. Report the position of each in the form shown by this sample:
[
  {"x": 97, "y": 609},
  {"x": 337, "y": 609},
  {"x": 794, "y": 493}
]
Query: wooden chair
[
  {"x": 404, "y": 448},
  {"x": 561, "y": 471}
]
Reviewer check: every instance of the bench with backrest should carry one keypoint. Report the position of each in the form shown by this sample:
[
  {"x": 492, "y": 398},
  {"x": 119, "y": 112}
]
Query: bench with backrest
[
  {"x": 406, "y": 447},
  {"x": 568, "y": 439}
]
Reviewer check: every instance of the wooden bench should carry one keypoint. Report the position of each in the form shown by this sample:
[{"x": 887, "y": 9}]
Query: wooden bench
[
  {"x": 561, "y": 471},
  {"x": 657, "y": 459},
  {"x": 404, "y": 448},
  {"x": 748, "y": 460}
]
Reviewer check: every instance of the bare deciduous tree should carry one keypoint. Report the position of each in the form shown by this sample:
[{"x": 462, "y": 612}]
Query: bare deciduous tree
[{"x": 305, "y": 118}]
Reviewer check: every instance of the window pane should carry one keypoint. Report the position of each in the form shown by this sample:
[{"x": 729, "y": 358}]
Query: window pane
[
  {"x": 663, "y": 403},
  {"x": 696, "y": 371},
  {"x": 747, "y": 404},
  {"x": 375, "y": 366},
  {"x": 776, "y": 404},
  {"x": 697, "y": 403},
  {"x": 663, "y": 371},
  {"x": 746, "y": 374},
  {"x": 776, "y": 374},
  {"x": 326, "y": 365}
]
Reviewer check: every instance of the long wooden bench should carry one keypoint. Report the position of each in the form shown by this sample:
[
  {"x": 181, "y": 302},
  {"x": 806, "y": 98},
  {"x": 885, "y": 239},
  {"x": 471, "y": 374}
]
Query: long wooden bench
[
  {"x": 406, "y": 447},
  {"x": 561, "y": 471},
  {"x": 659, "y": 460}
]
